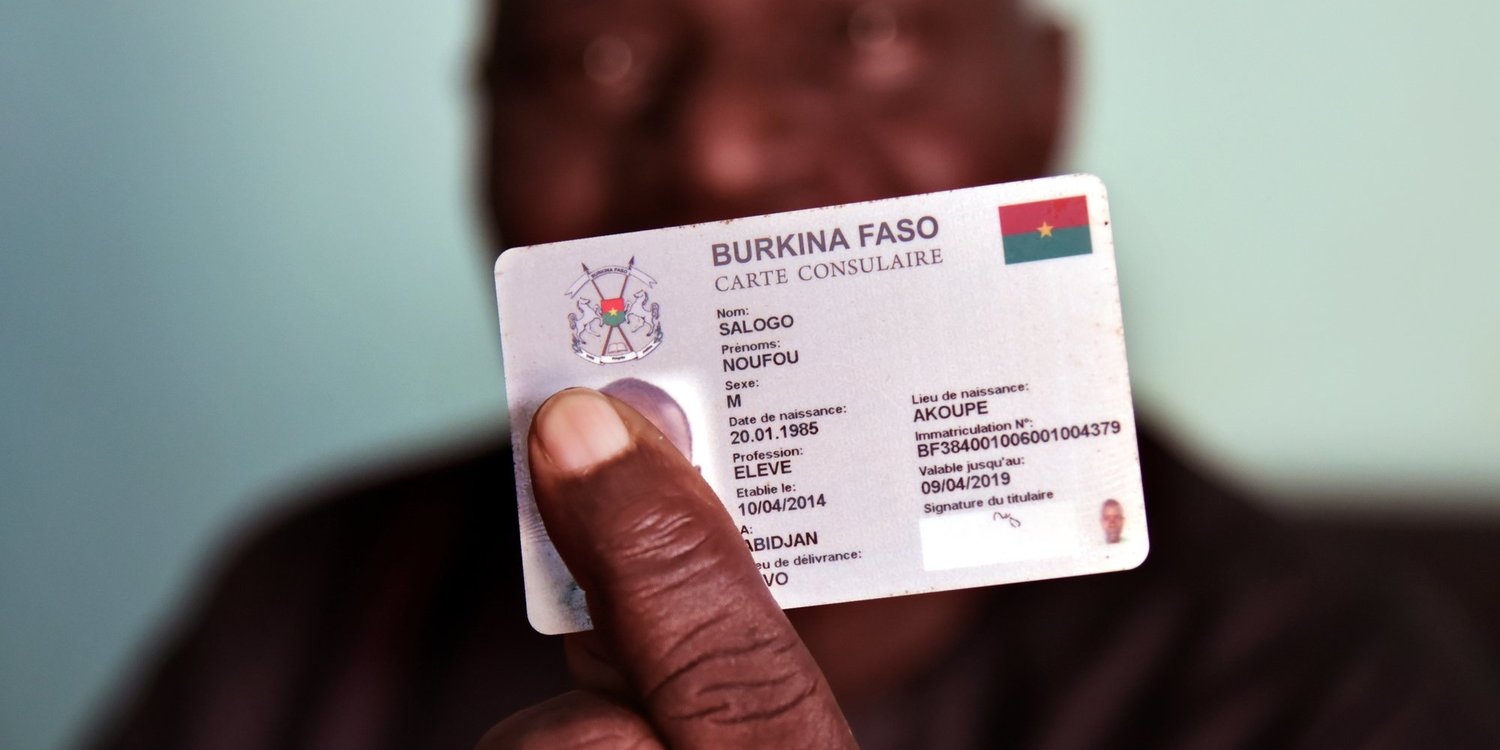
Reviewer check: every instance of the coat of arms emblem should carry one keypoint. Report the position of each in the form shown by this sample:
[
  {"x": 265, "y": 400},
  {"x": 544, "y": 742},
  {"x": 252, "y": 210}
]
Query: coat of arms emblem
[{"x": 613, "y": 321}]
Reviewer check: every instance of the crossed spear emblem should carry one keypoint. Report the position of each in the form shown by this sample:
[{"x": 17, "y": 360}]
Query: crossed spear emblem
[{"x": 620, "y": 299}]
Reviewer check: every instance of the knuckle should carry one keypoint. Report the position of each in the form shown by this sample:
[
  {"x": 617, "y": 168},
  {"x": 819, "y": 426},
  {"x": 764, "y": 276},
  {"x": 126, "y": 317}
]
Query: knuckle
[
  {"x": 663, "y": 532},
  {"x": 663, "y": 551},
  {"x": 728, "y": 675}
]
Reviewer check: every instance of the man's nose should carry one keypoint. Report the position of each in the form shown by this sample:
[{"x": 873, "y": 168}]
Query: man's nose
[{"x": 738, "y": 137}]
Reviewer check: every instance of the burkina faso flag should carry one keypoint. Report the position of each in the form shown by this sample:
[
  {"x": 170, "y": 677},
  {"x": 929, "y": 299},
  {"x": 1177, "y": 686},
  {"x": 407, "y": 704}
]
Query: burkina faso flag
[
  {"x": 1045, "y": 229},
  {"x": 613, "y": 311}
]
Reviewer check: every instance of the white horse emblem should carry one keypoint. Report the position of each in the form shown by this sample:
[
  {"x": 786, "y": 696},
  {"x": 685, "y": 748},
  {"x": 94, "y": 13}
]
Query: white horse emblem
[{"x": 607, "y": 326}]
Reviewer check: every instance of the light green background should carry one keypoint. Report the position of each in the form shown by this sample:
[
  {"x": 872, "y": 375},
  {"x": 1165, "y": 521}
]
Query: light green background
[{"x": 236, "y": 251}]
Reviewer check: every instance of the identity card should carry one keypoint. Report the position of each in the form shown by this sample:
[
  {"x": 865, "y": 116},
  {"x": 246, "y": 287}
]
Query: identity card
[{"x": 891, "y": 397}]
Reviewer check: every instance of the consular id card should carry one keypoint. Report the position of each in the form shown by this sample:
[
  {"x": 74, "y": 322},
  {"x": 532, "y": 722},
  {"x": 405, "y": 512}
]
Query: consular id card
[{"x": 891, "y": 397}]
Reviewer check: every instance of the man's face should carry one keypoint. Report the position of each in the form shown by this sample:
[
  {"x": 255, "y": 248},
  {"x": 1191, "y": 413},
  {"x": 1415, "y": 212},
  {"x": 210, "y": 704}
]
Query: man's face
[
  {"x": 615, "y": 116},
  {"x": 1112, "y": 518}
]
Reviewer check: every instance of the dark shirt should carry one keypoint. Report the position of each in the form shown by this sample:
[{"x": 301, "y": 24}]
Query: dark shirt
[{"x": 390, "y": 615}]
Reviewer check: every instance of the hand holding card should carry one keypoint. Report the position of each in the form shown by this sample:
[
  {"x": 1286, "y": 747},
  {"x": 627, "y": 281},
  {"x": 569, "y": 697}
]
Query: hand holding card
[{"x": 689, "y": 646}]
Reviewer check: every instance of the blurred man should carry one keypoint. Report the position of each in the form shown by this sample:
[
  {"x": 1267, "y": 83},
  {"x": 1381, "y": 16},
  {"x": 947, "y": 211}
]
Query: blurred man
[
  {"x": 390, "y": 615},
  {"x": 610, "y": 117}
]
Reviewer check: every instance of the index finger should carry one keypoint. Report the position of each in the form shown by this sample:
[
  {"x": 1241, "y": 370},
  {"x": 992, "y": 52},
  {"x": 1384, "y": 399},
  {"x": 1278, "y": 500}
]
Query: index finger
[{"x": 671, "y": 586}]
